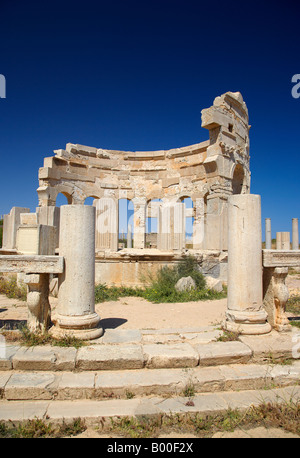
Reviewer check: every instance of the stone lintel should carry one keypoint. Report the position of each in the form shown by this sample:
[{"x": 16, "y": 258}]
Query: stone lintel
[
  {"x": 281, "y": 258},
  {"x": 32, "y": 264}
]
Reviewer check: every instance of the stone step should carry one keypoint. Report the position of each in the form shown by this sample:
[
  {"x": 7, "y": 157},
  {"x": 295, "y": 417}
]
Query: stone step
[
  {"x": 126, "y": 384},
  {"x": 132, "y": 349},
  {"x": 99, "y": 413}
]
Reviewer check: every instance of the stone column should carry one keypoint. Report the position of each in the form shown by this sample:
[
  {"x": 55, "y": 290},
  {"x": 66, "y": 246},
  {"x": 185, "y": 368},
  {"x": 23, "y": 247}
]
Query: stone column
[
  {"x": 163, "y": 227},
  {"x": 178, "y": 226},
  {"x": 199, "y": 225},
  {"x": 139, "y": 221},
  {"x": 129, "y": 236},
  {"x": 245, "y": 311},
  {"x": 106, "y": 224},
  {"x": 268, "y": 234},
  {"x": 76, "y": 294},
  {"x": 295, "y": 234}
]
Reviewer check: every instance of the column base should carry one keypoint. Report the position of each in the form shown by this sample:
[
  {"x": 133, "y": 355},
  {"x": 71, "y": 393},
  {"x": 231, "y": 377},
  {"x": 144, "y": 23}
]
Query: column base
[
  {"x": 84, "y": 327},
  {"x": 247, "y": 323}
]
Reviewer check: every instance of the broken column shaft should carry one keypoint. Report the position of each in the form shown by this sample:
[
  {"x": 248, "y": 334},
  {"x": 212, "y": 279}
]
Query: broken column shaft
[
  {"x": 76, "y": 295},
  {"x": 245, "y": 312}
]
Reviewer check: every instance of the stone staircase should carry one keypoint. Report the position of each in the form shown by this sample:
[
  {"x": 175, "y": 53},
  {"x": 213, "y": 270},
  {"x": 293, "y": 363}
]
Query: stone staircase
[{"x": 147, "y": 372}]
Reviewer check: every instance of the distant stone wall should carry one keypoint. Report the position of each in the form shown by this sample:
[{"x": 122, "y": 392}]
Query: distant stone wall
[{"x": 131, "y": 267}]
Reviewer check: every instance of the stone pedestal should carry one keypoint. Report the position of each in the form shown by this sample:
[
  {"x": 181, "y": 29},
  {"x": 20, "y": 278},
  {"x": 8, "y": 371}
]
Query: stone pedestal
[
  {"x": 75, "y": 313},
  {"x": 245, "y": 313},
  {"x": 276, "y": 294},
  {"x": 37, "y": 301}
]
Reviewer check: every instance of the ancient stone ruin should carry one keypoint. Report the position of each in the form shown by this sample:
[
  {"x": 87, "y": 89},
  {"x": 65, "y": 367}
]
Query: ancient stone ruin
[
  {"x": 156, "y": 183},
  {"x": 226, "y": 224}
]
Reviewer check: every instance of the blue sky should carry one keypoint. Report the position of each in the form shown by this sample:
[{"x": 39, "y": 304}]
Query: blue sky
[{"x": 135, "y": 75}]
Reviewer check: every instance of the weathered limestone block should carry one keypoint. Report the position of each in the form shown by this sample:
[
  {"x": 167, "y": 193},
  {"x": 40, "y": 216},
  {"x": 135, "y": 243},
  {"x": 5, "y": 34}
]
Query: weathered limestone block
[
  {"x": 11, "y": 222},
  {"x": 28, "y": 219},
  {"x": 36, "y": 239},
  {"x": 282, "y": 240},
  {"x": 185, "y": 284},
  {"x": 49, "y": 216},
  {"x": 32, "y": 264},
  {"x": 214, "y": 283},
  {"x": 281, "y": 258}
]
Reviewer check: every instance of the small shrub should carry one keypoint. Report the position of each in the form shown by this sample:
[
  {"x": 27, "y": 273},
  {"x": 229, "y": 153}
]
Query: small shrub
[
  {"x": 295, "y": 323},
  {"x": 189, "y": 390},
  {"x": 293, "y": 305},
  {"x": 228, "y": 336},
  {"x": 104, "y": 293},
  {"x": 10, "y": 288},
  {"x": 31, "y": 339},
  {"x": 188, "y": 267},
  {"x": 37, "y": 428}
]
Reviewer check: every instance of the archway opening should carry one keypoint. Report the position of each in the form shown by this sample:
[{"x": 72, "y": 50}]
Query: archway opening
[
  {"x": 238, "y": 179},
  {"x": 89, "y": 201},
  {"x": 62, "y": 199}
]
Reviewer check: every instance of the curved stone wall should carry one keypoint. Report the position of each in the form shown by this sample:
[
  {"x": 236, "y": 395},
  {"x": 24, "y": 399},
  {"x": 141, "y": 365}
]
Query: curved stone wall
[{"x": 207, "y": 172}]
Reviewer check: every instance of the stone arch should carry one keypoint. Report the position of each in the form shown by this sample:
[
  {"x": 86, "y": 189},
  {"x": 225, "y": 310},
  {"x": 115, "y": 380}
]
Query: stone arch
[
  {"x": 63, "y": 198},
  {"x": 238, "y": 179}
]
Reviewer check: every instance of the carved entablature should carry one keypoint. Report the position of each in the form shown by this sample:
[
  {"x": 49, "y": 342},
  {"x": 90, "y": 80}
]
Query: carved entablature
[{"x": 81, "y": 171}]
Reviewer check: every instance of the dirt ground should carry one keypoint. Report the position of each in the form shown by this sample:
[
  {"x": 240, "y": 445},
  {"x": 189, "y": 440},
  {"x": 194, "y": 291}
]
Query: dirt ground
[{"x": 137, "y": 313}]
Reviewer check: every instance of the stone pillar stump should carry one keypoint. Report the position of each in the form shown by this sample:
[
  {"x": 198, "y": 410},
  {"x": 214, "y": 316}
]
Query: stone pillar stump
[
  {"x": 75, "y": 313},
  {"x": 245, "y": 311}
]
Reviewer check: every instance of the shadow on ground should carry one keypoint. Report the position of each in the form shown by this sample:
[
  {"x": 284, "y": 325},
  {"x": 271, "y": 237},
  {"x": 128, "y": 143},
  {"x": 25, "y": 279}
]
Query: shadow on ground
[{"x": 112, "y": 323}]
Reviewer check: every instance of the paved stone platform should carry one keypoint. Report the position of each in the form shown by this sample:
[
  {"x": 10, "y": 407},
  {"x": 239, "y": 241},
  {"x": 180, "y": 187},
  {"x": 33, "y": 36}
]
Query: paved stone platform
[
  {"x": 147, "y": 372},
  {"x": 169, "y": 348}
]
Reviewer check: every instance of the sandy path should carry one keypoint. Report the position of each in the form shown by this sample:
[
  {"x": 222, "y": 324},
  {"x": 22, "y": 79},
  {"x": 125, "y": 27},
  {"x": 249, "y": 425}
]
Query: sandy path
[{"x": 137, "y": 313}]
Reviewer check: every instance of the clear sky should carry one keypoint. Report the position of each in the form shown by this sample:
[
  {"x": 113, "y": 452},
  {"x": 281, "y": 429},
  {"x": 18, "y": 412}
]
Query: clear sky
[{"x": 135, "y": 75}]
